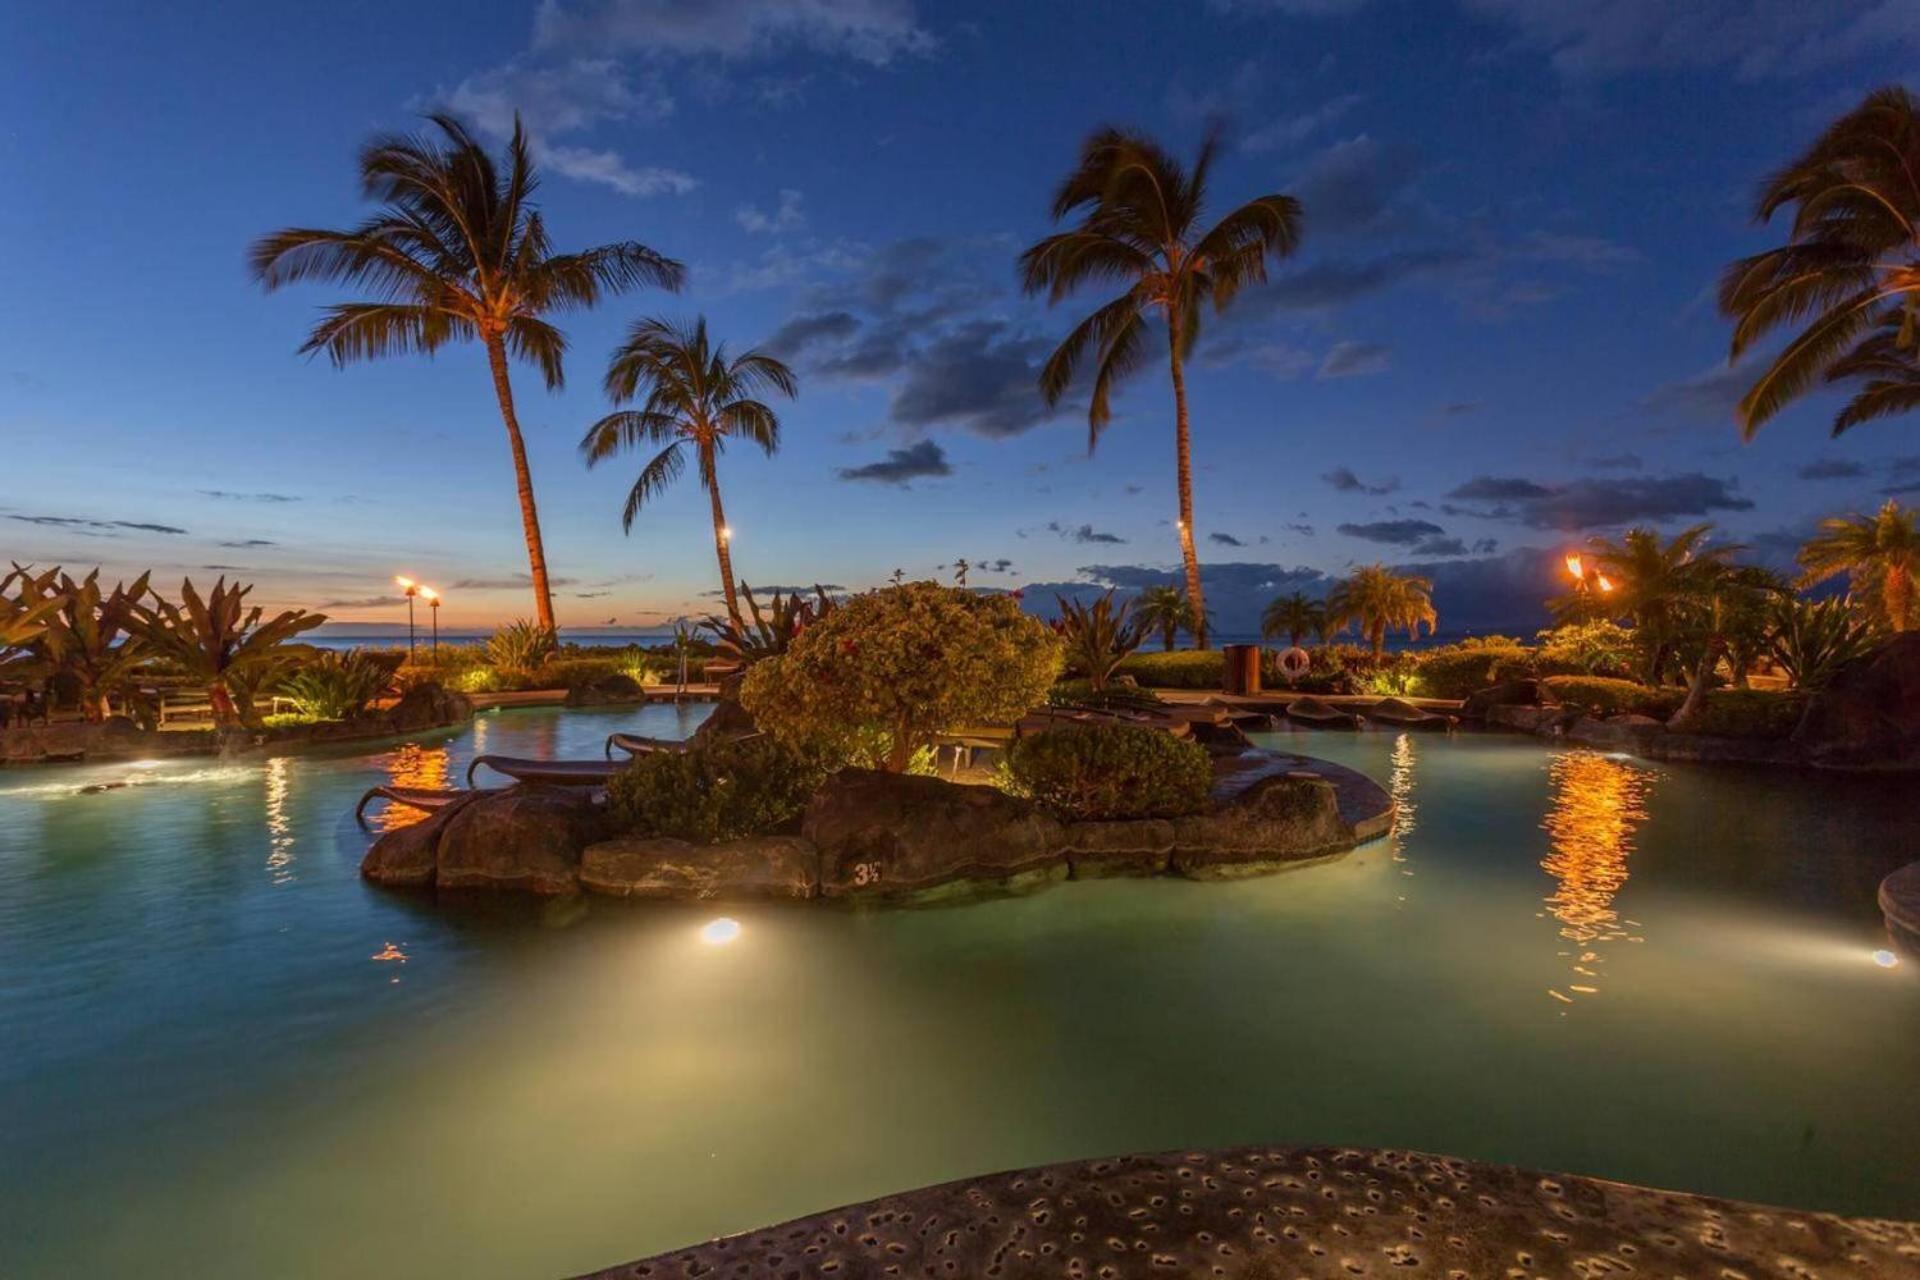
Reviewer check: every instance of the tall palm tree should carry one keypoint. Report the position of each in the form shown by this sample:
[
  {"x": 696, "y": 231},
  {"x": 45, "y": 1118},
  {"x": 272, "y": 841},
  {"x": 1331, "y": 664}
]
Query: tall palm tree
[
  {"x": 1850, "y": 269},
  {"x": 1294, "y": 617},
  {"x": 1650, "y": 585},
  {"x": 1165, "y": 610},
  {"x": 1141, "y": 226},
  {"x": 697, "y": 398},
  {"x": 1881, "y": 554},
  {"x": 456, "y": 251},
  {"x": 1376, "y": 600}
]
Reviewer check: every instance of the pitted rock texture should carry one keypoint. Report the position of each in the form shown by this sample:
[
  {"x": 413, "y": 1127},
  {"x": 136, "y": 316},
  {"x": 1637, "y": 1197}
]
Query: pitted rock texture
[{"x": 1314, "y": 1213}]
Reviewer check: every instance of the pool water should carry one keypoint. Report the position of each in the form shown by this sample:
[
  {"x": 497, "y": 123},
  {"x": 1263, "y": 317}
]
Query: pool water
[{"x": 221, "y": 1054}]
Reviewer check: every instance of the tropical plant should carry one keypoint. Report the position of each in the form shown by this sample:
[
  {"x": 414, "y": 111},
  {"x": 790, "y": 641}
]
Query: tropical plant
[
  {"x": 1099, "y": 635},
  {"x": 1812, "y": 640},
  {"x": 1879, "y": 553},
  {"x": 1600, "y": 648},
  {"x": 1183, "y": 669},
  {"x": 722, "y": 789},
  {"x": 697, "y": 399},
  {"x": 1111, "y": 771},
  {"x": 457, "y": 251},
  {"x": 521, "y": 646},
  {"x": 1850, "y": 270},
  {"x": 335, "y": 686},
  {"x": 1604, "y": 696},
  {"x": 1140, "y": 226},
  {"x": 906, "y": 662},
  {"x": 1648, "y": 579},
  {"x": 24, "y": 614},
  {"x": 1462, "y": 670},
  {"x": 1374, "y": 600},
  {"x": 87, "y": 644},
  {"x": 1165, "y": 611},
  {"x": 223, "y": 645},
  {"x": 1295, "y": 617},
  {"x": 772, "y": 633},
  {"x": 1718, "y": 605},
  {"x": 1115, "y": 697}
]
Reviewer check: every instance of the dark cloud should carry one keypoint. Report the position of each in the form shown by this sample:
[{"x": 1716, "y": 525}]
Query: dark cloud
[
  {"x": 802, "y": 332},
  {"x": 1459, "y": 407},
  {"x": 917, "y": 461},
  {"x": 1403, "y": 533},
  {"x": 1499, "y": 489},
  {"x": 590, "y": 595},
  {"x": 228, "y": 495},
  {"x": 1087, "y": 533},
  {"x": 1831, "y": 469},
  {"x": 980, "y": 377},
  {"x": 365, "y": 602},
  {"x": 1441, "y": 547},
  {"x": 247, "y": 543},
  {"x": 1712, "y": 393},
  {"x": 1345, "y": 481},
  {"x": 1355, "y": 360},
  {"x": 508, "y": 582},
  {"x": 1334, "y": 282},
  {"x": 1225, "y": 540},
  {"x": 82, "y": 523},
  {"x": 1360, "y": 186},
  {"x": 1595, "y": 503},
  {"x": 1616, "y": 462}
]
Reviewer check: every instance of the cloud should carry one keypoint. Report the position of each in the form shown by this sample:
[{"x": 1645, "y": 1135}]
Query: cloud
[
  {"x": 1225, "y": 540},
  {"x": 1712, "y": 393},
  {"x": 917, "y": 461},
  {"x": 1595, "y": 503},
  {"x": 1291, "y": 131},
  {"x": 1831, "y": 469},
  {"x": 1359, "y": 186},
  {"x": 1334, "y": 282},
  {"x": 1458, "y": 408},
  {"x": 787, "y": 216},
  {"x": 1499, "y": 489},
  {"x": 227, "y": 495},
  {"x": 1345, "y": 481},
  {"x": 1441, "y": 547},
  {"x": 1086, "y": 533},
  {"x": 980, "y": 377},
  {"x": 870, "y": 31},
  {"x": 82, "y": 523},
  {"x": 365, "y": 602},
  {"x": 1404, "y": 533},
  {"x": 1354, "y": 360},
  {"x": 508, "y": 582},
  {"x": 801, "y": 332},
  {"x": 246, "y": 543},
  {"x": 1616, "y": 462}
]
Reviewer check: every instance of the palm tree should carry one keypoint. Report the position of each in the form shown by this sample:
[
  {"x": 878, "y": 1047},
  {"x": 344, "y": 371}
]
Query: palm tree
[
  {"x": 697, "y": 398},
  {"x": 1165, "y": 610},
  {"x": 1294, "y": 616},
  {"x": 1649, "y": 584},
  {"x": 1141, "y": 227},
  {"x": 1880, "y": 553},
  {"x": 1376, "y": 600},
  {"x": 456, "y": 251},
  {"x": 1723, "y": 610},
  {"x": 1850, "y": 269}
]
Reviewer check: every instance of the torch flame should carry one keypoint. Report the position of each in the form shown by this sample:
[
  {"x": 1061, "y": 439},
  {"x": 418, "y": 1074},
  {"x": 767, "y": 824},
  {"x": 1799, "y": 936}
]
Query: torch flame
[
  {"x": 1573, "y": 566},
  {"x": 1601, "y": 580}
]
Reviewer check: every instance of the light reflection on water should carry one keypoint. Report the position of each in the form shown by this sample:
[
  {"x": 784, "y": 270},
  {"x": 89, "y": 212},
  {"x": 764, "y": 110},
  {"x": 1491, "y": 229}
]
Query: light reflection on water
[{"x": 419, "y": 1071}]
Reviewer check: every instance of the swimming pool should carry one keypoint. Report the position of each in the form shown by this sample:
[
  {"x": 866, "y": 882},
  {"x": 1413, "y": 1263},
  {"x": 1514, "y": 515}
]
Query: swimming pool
[{"x": 224, "y": 1055}]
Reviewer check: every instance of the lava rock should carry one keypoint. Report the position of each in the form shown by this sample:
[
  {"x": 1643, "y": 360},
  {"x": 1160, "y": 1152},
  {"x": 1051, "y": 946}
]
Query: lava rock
[
  {"x": 428, "y": 705},
  {"x": 1869, "y": 716},
  {"x": 408, "y": 857},
  {"x": 1277, "y": 820},
  {"x": 523, "y": 837},
  {"x": 612, "y": 689},
  {"x": 1514, "y": 693},
  {"x": 754, "y": 867},
  {"x": 1138, "y": 847}
]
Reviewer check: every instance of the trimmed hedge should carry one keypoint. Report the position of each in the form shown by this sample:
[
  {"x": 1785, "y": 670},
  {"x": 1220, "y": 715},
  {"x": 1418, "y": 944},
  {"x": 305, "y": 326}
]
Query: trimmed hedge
[
  {"x": 1104, "y": 771},
  {"x": 1180, "y": 669},
  {"x": 1600, "y": 696},
  {"x": 1462, "y": 672},
  {"x": 1749, "y": 713},
  {"x": 721, "y": 790}
]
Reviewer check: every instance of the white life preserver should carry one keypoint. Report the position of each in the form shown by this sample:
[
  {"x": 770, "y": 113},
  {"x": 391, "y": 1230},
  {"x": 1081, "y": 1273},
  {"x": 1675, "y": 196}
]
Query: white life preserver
[{"x": 1294, "y": 663}]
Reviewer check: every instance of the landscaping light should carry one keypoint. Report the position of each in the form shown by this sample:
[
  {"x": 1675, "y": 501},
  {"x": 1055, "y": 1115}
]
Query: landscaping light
[
  {"x": 717, "y": 933},
  {"x": 433, "y": 602},
  {"x": 410, "y": 589},
  {"x": 1885, "y": 959}
]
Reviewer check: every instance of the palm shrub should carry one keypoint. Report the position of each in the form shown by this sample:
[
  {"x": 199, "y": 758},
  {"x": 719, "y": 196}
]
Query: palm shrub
[
  {"x": 1099, "y": 636},
  {"x": 720, "y": 790},
  {"x": 223, "y": 645},
  {"x": 1296, "y": 617},
  {"x": 1375, "y": 600},
  {"x": 771, "y": 632},
  {"x": 1109, "y": 771},
  {"x": 1812, "y": 640},
  {"x": 1880, "y": 554},
  {"x": 335, "y": 686},
  {"x": 87, "y": 646},
  {"x": 521, "y": 646},
  {"x": 1165, "y": 612},
  {"x": 907, "y": 662},
  {"x": 24, "y": 613}
]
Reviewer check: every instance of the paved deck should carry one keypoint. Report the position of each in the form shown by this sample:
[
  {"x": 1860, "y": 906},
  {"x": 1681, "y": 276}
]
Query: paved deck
[
  {"x": 1317, "y": 1213},
  {"x": 558, "y": 697}
]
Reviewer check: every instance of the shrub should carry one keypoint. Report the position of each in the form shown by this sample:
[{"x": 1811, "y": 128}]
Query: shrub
[
  {"x": 721, "y": 790},
  {"x": 1602, "y": 696},
  {"x": 1180, "y": 669},
  {"x": 484, "y": 680},
  {"x": 1813, "y": 641},
  {"x": 1588, "y": 648},
  {"x": 1461, "y": 670},
  {"x": 1112, "y": 771},
  {"x": 1098, "y": 636},
  {"x": 521, "y": 646},
  {"x": 334, "y": 686},
  {"x": 908, "y": 662},
  {"x": 1115, "y": 697},
  {"x": 1749, "y": 713},
  {"x": 573, "y": 673}
]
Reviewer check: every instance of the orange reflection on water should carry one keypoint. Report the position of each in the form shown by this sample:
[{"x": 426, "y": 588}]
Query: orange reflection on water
[
  {"x": 1400, "y": 785},
  {"x": 413, "y": 765},
  {"x": 280, "y": 837},
  {"x": 1597, "y": 805}
]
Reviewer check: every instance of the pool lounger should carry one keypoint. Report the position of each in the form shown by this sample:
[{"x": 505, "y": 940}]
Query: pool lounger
[
  {"x": 554, "y": 773},
  {"x": 636, "y": 744},
  {"x": 1316, "y": 714},
  {"x": 427, "y": 798}
]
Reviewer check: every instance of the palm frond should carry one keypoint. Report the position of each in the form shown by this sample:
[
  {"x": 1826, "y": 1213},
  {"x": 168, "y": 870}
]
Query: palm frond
[{"x": 655, "y": 478}]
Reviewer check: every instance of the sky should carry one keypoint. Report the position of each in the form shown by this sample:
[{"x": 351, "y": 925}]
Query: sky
[{"x": 1496, "y": 340}]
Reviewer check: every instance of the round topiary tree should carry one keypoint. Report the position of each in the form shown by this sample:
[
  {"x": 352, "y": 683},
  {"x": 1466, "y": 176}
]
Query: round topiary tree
[{"x": 904, "y": 663}]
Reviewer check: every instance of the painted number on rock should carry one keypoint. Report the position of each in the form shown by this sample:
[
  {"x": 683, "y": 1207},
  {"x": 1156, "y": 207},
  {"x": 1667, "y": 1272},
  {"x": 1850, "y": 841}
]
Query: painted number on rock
[{"x": 866, "y": 873}]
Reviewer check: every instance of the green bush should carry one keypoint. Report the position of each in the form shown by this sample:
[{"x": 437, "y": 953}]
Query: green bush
[
  {"x": 521, "y": 646},
  {"x": 1112, "y": 771},
  {"x": 721, "y": 790},
  {"x": 1749, "y": 713},
  {"x": 1461, "y": 670},
  {"x": 1180, "y": 669},
  {"x": 1115, "y": 697},
  {"x": 1588, "y": 649},
  {"x": 1602, "y": 696},
  {"x": 334, "y": 686}
]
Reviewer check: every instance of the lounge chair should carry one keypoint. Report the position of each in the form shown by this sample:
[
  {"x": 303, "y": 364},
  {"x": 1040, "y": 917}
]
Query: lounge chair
[
  {"x": 424, "y": 798},
  {"x": 553, "y": 773},
  {"x": 1316, "y": 714},
  {"x": 638, "y": 744},
  {"x": 1404, "y": 715}
]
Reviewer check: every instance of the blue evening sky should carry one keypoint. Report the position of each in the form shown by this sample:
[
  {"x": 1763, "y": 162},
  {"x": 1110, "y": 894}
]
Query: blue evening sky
[{"x": 1496, "y": 341}]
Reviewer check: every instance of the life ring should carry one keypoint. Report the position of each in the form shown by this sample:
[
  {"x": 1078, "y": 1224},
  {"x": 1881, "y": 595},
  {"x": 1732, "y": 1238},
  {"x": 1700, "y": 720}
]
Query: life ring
[{"x": 1294, "y": 663}]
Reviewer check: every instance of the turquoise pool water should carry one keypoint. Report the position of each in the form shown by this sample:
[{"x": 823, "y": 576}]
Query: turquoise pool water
[{"x": 213, "y": 1062}]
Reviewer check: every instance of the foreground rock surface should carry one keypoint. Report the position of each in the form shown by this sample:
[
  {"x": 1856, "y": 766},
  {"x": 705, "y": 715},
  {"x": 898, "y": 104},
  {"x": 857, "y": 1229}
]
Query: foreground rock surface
[
  {"x": 525, "y": 838},
  {"x": 757, "y": 867},
  {"x": 1324, "y": 1213},
  {"x": 1277, "y": 820}
]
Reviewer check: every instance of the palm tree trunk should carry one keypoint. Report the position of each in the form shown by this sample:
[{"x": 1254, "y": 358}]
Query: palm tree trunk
[
  {"x": 1378, "y": 634},
  {"x": 1898, "y": 594},
  {"x": 1183, "y": 443},
  {"x": 523, "y": 481},
  {"x": 722, "y": 542},
  {"x": 1696, "y": 690}
]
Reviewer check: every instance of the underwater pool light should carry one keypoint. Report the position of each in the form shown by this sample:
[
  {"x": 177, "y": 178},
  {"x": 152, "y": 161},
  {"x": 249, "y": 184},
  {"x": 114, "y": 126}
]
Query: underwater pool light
[
  {"x": 717, "y": 933},
  {"x": 1885, "y": 958}
]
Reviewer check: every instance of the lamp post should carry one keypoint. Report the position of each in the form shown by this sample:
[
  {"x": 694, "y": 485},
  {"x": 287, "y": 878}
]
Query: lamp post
[
  {"x": 412, "y": 589},
  {"x": 433, "y": 603}
]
